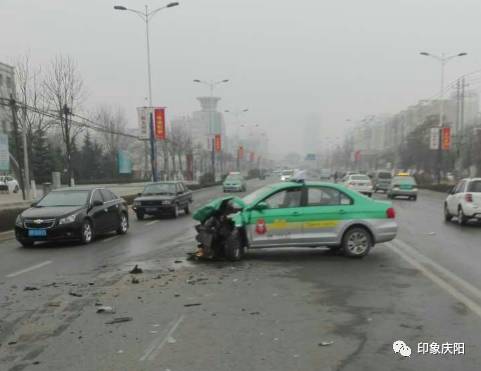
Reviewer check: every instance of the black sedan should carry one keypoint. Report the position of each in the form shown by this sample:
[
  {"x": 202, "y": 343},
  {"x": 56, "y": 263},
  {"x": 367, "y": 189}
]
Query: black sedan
[
  {"x": 72, "y": 214},
  {"x": 163, "y": 198}
]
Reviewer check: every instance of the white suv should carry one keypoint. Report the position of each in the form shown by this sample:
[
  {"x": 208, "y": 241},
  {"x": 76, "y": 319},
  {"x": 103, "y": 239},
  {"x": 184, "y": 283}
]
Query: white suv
[
  {"x": 464, "y": 201},
  {"x": 8, "y": 184}
]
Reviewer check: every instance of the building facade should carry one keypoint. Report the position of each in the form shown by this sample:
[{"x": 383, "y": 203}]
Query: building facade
[{"x": 7, "y": 88}]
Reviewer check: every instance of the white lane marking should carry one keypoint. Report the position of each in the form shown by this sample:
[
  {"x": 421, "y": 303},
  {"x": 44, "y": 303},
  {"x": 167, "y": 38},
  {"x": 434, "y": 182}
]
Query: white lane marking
[
  {"x": 158, "y": 343},
  {"x": 475, "y": 308},
  {"x": 473, "y": 290},
  {"x": 29, "y": 269},
  {"x": 110, "y": 239},
  {"x": 152, "y": 222}
]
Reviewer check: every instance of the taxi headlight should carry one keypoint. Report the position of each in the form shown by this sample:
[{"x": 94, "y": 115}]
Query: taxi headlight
[
  {"x": 19, "y": 221},
  {"x": 396, "y": 188},
  {"x": 415, "y": 189},
  {"x": 67, "y": 219}
]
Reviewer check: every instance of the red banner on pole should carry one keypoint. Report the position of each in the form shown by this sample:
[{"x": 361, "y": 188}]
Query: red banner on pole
[
  {"x": 218, "y": 143},
  {"x": 159, "y": 123},
  {"x": 241, "y": 152},
  {"x": 252, "y": 157},
  {"x": 446, "y": 139}
]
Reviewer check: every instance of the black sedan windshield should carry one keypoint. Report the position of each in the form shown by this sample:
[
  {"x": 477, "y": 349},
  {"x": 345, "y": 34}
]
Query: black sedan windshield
[
  {"x": 159, "y": 189},
  {"x": 64, "y": 198}
]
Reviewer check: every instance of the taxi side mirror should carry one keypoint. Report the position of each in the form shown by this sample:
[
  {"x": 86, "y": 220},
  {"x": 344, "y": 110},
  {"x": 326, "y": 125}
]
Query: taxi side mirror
[{"x": 261, "y": 206}]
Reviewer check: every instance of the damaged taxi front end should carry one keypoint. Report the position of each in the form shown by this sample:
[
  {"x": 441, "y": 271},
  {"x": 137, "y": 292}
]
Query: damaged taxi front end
[{"x": 219, "y": 219}]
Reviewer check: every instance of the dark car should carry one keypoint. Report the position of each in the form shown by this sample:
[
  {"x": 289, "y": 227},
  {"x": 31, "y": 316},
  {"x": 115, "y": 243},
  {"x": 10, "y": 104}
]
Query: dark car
[
  {"x": 72, "y": 214},
  {"x": 163, "y": 198}
]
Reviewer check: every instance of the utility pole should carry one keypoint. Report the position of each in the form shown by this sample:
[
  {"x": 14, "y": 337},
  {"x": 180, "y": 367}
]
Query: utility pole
[
  {"x": 13, "y": 106},
  {"x": 66, "y": 125}
]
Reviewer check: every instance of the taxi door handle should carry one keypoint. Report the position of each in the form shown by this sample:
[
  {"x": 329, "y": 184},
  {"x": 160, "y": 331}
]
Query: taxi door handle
[
  {"x": 295, "y": 213},
  {"x": 342, "y": 211}
]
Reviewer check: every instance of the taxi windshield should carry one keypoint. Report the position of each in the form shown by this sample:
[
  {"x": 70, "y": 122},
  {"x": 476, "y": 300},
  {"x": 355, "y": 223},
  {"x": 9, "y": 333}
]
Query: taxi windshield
[
  {"x": 404, "y": 180},
  {"x": 159, "y": 189},
  {"x": 250, "y": 198}
]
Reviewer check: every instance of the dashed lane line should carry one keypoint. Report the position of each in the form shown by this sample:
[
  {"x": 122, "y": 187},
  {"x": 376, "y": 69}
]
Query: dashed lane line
[
  {"x": 158, "y": 343},
  {"x": 29, "y": 269}
]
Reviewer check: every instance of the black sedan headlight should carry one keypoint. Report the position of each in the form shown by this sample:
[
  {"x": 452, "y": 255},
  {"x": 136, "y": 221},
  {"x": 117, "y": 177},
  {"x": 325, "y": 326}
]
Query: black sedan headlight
[{"x": 68, "y": 219}]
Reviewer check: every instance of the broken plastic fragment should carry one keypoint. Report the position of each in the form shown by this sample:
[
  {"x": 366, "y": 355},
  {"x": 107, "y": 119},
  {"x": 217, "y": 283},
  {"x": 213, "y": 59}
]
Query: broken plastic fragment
[
  {"x": 136, "y": 270},
  {"x": 105, "y": 309},
  {"x": 119, "y": 320},
  {"x": 325, "y": 343}
]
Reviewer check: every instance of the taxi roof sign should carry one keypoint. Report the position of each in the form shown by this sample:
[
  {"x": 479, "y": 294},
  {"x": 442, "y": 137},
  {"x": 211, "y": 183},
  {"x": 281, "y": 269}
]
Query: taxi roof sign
[{"x": 403, "y": 174}]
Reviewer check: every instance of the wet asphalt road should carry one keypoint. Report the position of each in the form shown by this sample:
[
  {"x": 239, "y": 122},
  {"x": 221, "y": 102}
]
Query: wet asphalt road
[{"x": 291, "y": 309}]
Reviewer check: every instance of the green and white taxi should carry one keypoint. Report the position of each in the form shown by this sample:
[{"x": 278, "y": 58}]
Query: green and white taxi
[{"x": 294, "y": 214}]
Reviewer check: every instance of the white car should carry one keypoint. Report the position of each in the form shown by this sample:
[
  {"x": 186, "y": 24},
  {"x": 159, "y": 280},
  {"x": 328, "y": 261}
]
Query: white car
[
  {"x": 8, "y": 184},
  {"x": 464, "y": 201},
  {"x": 360, "y": 183},
  {"x": 286, "y": 175}
]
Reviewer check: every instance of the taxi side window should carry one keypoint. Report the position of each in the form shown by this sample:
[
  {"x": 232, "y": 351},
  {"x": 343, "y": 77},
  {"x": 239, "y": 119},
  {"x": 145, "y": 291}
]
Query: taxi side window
[
  {"x": 285, "y": 199},
  {"x": 323, "y": 196}
]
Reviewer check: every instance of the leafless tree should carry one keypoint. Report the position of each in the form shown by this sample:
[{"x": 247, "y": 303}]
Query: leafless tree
[
  {"x": 31, "y": 97},
  {"x": 64, "y": 90},
  {"x": 113, "y": 123}
]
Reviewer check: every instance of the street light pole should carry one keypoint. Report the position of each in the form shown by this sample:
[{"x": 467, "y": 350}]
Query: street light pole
[
  {"x": 146, "y": 17},
  {"x": 237, "y": 114},
  {"x": 212, "y": 84},
  {"x": 443, "y": 59}
]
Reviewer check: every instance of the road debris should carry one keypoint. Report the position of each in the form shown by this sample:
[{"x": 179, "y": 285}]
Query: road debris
[
  {"x": 12, "y": 342},
  {"x": 325, "y": 343},
  {"x": 105, "y": 309},
  {"x": 254, "y": 313},
  {"x": 31, "y": 288},
  {"x": 54, "y": 304},
  {"x": 136, "y": 270},
  {"x": 135, "y": 280},
  {"x": 119, "y": 320},
  {"x": 76, "y": 294},
  {"x": 171, "y": 340},
  {"x": 178, "y": 261},
  {"x": 192, "y": 305}
]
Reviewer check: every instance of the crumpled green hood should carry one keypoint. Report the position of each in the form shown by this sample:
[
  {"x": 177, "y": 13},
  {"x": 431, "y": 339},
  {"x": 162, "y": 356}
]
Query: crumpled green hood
[{"x": 206, "y": 211}]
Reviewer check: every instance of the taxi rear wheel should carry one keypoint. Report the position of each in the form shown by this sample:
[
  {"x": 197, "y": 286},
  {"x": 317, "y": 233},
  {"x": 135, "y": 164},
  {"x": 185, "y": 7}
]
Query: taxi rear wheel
[{"x": 357, "y": 242}]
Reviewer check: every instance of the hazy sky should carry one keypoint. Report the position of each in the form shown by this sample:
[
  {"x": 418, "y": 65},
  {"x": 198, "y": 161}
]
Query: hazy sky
[{"x": 286, "y": 60}]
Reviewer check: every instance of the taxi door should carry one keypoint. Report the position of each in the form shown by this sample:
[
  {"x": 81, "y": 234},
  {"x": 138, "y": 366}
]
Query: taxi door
[
  {"x": 324, "y": 214},
  {"x": 279, "y": 223}
]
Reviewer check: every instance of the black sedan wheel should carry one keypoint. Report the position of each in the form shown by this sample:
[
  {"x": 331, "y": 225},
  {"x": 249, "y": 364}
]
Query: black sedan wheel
[
  {"x": 175, "y": 211},
  {"x": 123, "y": 224},
  {"x": 87, "y": 232}
]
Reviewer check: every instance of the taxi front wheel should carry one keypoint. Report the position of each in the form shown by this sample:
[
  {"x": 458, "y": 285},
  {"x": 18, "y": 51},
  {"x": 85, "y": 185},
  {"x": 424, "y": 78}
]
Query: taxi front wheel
[
  {"x": 234, "y": 251},
  {"x": 356, "y": 242}
]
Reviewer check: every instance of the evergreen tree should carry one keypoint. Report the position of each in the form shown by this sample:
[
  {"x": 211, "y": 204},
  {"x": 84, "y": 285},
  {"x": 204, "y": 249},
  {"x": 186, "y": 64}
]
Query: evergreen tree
[{"x": 41, "y": 160}]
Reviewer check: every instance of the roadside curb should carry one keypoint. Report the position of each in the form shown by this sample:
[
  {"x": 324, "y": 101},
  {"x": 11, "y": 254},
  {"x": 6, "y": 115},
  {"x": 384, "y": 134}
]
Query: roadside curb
[{"x": 8, "y": 235}]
